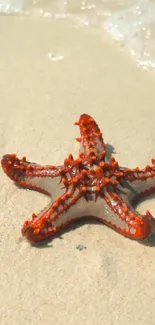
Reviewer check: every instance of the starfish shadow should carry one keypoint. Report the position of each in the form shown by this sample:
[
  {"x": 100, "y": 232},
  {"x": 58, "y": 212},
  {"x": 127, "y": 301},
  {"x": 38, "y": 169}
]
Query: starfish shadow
[
  {"x": 47, "y": 243},
  {"x": 151, "y": 240},
  {"x": 109, "y": 150}
]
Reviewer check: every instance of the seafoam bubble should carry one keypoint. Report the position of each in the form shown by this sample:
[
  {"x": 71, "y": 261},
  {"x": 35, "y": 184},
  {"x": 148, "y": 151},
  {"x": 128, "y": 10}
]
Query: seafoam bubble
[{"x": 55, "y": 56}]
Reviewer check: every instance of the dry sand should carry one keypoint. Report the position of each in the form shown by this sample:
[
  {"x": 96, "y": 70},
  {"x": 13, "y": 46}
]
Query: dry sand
[{"x": 112, "y": 282}]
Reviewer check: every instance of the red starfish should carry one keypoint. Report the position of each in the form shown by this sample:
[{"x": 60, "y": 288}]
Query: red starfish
[{"x": 90, "y": 181}]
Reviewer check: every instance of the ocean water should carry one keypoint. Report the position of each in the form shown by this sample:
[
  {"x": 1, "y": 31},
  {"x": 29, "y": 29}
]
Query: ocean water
[{"x": 129, "y": 23}]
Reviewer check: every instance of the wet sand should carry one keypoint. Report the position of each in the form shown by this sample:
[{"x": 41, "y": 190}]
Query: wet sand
[{"x": 111, "y": 282}]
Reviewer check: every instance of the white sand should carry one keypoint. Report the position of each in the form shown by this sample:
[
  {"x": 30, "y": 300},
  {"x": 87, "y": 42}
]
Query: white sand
[{"x": 112, "y": 282}]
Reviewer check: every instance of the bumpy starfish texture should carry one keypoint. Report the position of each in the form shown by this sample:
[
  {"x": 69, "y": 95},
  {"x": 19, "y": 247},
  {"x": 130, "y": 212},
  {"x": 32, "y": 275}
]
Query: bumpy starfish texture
[{"x": 89, "y": 186}]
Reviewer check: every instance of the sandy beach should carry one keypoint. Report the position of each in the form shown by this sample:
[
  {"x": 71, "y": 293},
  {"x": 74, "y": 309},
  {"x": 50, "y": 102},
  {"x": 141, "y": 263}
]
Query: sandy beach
[{"x": 50, "y": 73}]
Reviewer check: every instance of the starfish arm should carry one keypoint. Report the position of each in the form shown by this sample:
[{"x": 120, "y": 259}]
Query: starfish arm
[
  {"x": 126, "y": 220},
  {"x": 139, "y": 182},
  {"x": 92, "y": 144},
  {"x": 54, "y": 217},
  {"x": 30, "y": 175}
]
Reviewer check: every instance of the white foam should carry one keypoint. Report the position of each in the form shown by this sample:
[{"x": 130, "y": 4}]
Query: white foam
[
  {"x": 134, "y": 28},
  {"x": 10, "y": 6}
]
